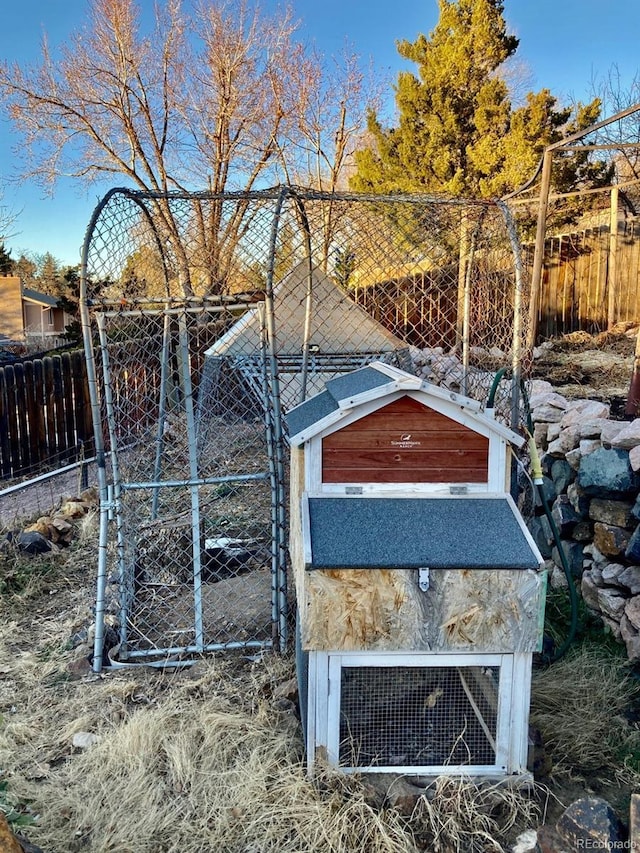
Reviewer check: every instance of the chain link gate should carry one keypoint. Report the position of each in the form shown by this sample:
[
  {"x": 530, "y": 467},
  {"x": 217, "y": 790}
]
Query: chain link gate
[{"x": 203, "y": 317}]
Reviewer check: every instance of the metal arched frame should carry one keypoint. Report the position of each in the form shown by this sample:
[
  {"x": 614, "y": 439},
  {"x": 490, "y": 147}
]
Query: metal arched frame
[{"x": 110, "y": 487}]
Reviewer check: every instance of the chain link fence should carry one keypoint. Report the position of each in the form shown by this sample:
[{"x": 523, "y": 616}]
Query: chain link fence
[{"x": 207, "y": 316}]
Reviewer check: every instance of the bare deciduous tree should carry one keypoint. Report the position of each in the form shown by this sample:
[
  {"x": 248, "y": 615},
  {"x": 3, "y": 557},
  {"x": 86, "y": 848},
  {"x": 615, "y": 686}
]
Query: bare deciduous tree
[
  {"x": 616, "y": 96},
  {"x": 336, "y": 95},
  {"x": 210, "y": 97}
]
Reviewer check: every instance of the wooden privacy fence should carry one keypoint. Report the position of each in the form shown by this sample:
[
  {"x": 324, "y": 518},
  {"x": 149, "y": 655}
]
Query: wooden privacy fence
[
  {"x": 591, "y": 280},
  {"x": 45, "y": 414}
]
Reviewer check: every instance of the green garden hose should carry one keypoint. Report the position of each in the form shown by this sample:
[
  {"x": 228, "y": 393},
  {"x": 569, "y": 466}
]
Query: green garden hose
[{"x": 538, "y": 481}]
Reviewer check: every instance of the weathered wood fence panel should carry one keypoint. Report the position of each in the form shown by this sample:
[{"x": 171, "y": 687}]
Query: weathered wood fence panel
[
  {"x": 580, "y": 281},
  {"x": 45, "y": 416},
  {"x": 578, "y": 285}
]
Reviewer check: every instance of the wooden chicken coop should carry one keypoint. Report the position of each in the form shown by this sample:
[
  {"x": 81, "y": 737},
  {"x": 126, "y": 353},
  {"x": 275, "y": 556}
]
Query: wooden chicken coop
[{"x": 419, "y": 588}]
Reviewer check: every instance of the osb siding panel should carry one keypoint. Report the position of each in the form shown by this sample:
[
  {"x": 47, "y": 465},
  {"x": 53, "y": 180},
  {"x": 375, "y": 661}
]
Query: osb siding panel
[
  {"x": 462, "y": 611},
  {"x": 405, "y": 442}
]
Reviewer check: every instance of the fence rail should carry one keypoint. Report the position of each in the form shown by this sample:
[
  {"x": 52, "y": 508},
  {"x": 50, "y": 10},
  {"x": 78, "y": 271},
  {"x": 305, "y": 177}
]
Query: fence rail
[{"x": 45, "y": 414}]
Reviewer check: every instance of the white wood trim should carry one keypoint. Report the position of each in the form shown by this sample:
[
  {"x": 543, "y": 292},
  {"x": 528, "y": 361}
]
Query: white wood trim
[
  {"x": 317, "y": 705},
  {"x": 503, "y": 721},
  {"x": 469, "y": 771},
  {"x": 426, "y": 659},
  {"x": 306, "y": 530},
  {"x": 313, "y": 465},
  {"x": 497, "y": 463},
  {"x": 366, "y": 396},
  {"x": 425, "y": 490},
  {"x": 525, "y": 530},
  {"x": 390, "y": 370},
  {"x": 314, "y": 684},
  {"x": 429, "y": 387},
  {"x": 334, "y": 691},
  {"x": 520, "y": 701}
]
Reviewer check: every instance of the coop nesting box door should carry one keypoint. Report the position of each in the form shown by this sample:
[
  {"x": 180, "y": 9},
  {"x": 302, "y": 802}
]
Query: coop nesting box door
[{"x": 405, "y": 442}]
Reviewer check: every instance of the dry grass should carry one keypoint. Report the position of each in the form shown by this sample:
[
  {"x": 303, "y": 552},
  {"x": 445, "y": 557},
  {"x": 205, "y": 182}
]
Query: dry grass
[
  {"x": 462, "y": 816},
  {"x": 580, "y": 704},
  {"x": 187, "y": 761},
  {"x": 202, "y": 759}
]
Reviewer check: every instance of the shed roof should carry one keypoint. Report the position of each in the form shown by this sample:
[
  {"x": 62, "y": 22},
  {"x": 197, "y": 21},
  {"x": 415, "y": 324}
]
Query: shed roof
[
  {"x": 378, "y": 381},
  {"x": 453, "y": 532},
  {"x": 338, "y": 325}
]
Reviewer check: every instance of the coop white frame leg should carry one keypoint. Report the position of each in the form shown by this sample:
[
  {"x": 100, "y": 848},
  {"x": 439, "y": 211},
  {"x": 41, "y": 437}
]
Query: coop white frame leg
[{"x": 520, "y": 703}]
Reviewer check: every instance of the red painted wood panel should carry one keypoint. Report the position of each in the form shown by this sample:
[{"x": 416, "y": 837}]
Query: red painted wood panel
[{"x": 405, "y": 442}]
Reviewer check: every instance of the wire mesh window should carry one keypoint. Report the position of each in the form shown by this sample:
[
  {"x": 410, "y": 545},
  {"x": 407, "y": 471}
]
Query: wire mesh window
[
  {"x": 417, "y": 716},
  {"x": 411, "y": 712}
]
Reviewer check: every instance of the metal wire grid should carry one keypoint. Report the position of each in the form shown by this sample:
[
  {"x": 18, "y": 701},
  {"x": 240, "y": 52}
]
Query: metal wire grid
[
  {"x": 418, "y": 716},
  {"x": 197, "y": 337},
  {"x": 193, "y": 489},
  {"x": 36, "y": 496}
]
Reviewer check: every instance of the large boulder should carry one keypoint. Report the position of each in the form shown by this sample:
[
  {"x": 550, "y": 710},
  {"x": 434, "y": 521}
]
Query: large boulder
[
  {"x": 608, "y": 474},
  {"x": 611, "y": 512},
  {"x": 610, "y": 540},
  {"x": 562, "y": 475},
  {"x": 632, "y": 552},
  {"x": 628, "y": 437},
  {"x": 591, "y": 822}
]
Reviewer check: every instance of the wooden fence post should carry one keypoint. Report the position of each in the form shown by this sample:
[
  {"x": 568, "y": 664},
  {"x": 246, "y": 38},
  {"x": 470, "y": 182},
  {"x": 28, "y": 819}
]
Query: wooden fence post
[
  {"x": 613, "y": 259},
  {"x": 538, "y": 255}
]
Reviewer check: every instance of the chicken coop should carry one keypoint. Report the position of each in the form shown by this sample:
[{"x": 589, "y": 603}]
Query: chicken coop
[{"x": 420, "y": 591}]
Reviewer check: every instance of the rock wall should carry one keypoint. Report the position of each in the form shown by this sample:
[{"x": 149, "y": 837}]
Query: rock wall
[{"x": 592, "y": 480}]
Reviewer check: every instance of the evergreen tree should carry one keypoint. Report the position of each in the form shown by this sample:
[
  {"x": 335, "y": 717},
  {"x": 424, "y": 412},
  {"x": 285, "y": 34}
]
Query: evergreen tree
[
  {"x": 457, "y": 132},
  {"x": 69, "y": 301},
  {"x": 49, "y": 279},
  {"x": 26, "y": 268},
  {"x": 6, "y": 261}
]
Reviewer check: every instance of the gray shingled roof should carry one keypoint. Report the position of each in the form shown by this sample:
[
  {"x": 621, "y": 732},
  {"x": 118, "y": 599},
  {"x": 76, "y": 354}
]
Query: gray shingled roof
[
  {"x": 42, "y": 298},
  {"x": 318, "y": 407},
  {"x": 438, "y": 533}
]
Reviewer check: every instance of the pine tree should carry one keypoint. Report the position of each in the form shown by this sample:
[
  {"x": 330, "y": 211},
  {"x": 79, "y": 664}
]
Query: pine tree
[
  {"x": 49, "y": 277},
  {"x": 457, "y": 132},
  {"x": 6, "y": 261}
]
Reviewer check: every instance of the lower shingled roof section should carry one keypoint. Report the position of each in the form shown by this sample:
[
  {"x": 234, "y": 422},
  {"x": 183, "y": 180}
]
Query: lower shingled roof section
[{"x": 439, "y": 533}]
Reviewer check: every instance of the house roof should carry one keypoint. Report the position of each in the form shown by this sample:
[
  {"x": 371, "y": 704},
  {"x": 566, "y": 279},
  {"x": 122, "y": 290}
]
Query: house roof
[
  {"x": 377, "y": 382},
  {"x": 453, "y": 532},
  {"x": 41, "y": 298}
]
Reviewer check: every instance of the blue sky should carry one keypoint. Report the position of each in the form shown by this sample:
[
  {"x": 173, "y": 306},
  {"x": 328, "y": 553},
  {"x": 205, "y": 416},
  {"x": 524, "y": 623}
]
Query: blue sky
[{"x": 564, "y": 45}]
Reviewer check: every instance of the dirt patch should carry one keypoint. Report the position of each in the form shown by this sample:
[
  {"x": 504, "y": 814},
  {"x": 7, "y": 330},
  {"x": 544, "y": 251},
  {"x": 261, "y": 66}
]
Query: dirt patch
[{"x": 582, "y": 366}]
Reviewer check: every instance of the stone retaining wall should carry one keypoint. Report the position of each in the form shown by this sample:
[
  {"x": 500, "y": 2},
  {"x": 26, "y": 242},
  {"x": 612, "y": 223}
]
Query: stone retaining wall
[{"x": 592, "y": 480}]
